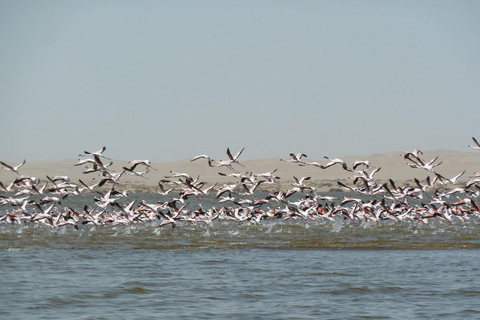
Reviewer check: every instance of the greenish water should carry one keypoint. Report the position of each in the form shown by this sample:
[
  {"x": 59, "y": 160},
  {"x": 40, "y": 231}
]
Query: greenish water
[{"x": 234, "y": 235}]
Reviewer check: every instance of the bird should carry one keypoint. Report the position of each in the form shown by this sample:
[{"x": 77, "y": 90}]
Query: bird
[
  {"x": 162, "y": 189},
  {"x": 427, "y": 166},
  {"x": 8, "y": 188},
  {"x": 175, "y": 174},
  {"x": 135, "y": 163},
  {"x": 97, "y": 163},
  {"x": 344, "y": 186},
  {"x": 226, "y": 163},
  {"x": 240, "y": 176},
  {"x": 204, "y": 156},
  {"x": 230, "y": 188},
  {"x": 361, "y": 162},
  {"x": 415, "y": 153},
  {"x": 278, "y": 196},
  {"x": 96, "y": 153},
  {"x": 444, "y": 180},
  {"x": 130, "y": 171},
  {"x": 231, "y": 160},
  {"x": 234, "y": 159},
  {"x": 315, "y": 164},
  {"x": 336, "y": 161},
  {"x": 476, "y": 146},
  {"x": 364, "y": 175},
  {"x": 29, "y": 203},
  {"x": 296, "y": 158},
  {"x": 267, "y": 175},
  {"x": 87, "y": 187},
  {"x": 58, "y": 178},
  {"x": 108, "y": 176},
  {"x": 13, "y": 168},
  {"x": 251, "y": 190}
]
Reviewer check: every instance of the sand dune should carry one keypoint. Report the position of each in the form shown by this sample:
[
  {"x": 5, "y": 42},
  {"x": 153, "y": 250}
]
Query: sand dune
[{"x": 393, "y": 166}]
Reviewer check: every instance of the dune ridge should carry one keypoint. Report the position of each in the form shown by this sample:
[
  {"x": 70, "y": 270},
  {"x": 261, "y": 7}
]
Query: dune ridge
[{"x": 393, "y": 166}]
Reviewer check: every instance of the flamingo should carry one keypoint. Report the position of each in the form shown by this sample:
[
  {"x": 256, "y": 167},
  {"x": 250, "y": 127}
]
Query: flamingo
[
  {"x": 476, "y": 146},
  {"x": 427, "y": 166},
  {"x": 234, "y": 159},
  {"x": 296, "y": 158},
  {"x": 361, "y": 162},
  {"x": 130, "y": 171},
  {"x": 12, "y": 168},
  {"x": 135, "y": 163},
  {"x": 336, "y": 161},
  {"x": 96, "y": 153},
  {"x": 204, "y": 156}
]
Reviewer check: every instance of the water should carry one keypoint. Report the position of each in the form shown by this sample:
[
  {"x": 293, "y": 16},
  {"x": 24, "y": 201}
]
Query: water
[
  {"x": 233, "y": 270},
  {"x": 239, "y": 284}
]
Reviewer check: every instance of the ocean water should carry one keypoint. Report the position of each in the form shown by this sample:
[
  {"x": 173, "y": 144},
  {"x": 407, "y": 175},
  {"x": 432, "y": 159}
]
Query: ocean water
[{"x": 231, "y": 270}]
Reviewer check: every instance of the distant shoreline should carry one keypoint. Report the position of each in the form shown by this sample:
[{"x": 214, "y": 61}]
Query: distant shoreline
[{"x": 392, "y": 165}]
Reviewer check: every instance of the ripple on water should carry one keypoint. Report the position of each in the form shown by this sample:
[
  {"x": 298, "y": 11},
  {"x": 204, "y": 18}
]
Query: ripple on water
[{"x": 233, "y": 235}]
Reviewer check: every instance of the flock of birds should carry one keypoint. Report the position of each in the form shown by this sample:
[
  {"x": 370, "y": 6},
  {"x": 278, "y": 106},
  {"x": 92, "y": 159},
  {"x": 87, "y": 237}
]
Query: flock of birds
[{"x": 26, "y": 200}]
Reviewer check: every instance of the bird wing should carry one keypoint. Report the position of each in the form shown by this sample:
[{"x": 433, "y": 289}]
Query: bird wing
[
  {"x": 229, "y": 154},
  {"x": 238, "y": 154},
  {"x": 476, "y": 142},
  {"x": 6, "y": 165}
]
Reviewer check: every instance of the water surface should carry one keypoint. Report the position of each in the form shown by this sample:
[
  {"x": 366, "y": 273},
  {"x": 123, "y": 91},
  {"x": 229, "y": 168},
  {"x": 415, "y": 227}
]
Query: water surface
[{"x": 241, "y": 283}]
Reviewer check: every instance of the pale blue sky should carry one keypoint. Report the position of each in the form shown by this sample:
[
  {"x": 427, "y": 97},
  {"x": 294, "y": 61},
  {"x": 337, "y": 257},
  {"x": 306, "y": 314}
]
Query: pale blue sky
[{"x": 167, "y": 80}]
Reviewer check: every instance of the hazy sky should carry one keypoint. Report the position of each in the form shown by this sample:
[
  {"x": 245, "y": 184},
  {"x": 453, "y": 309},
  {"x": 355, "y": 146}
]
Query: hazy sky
[{"x": 167, "y": 80}]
